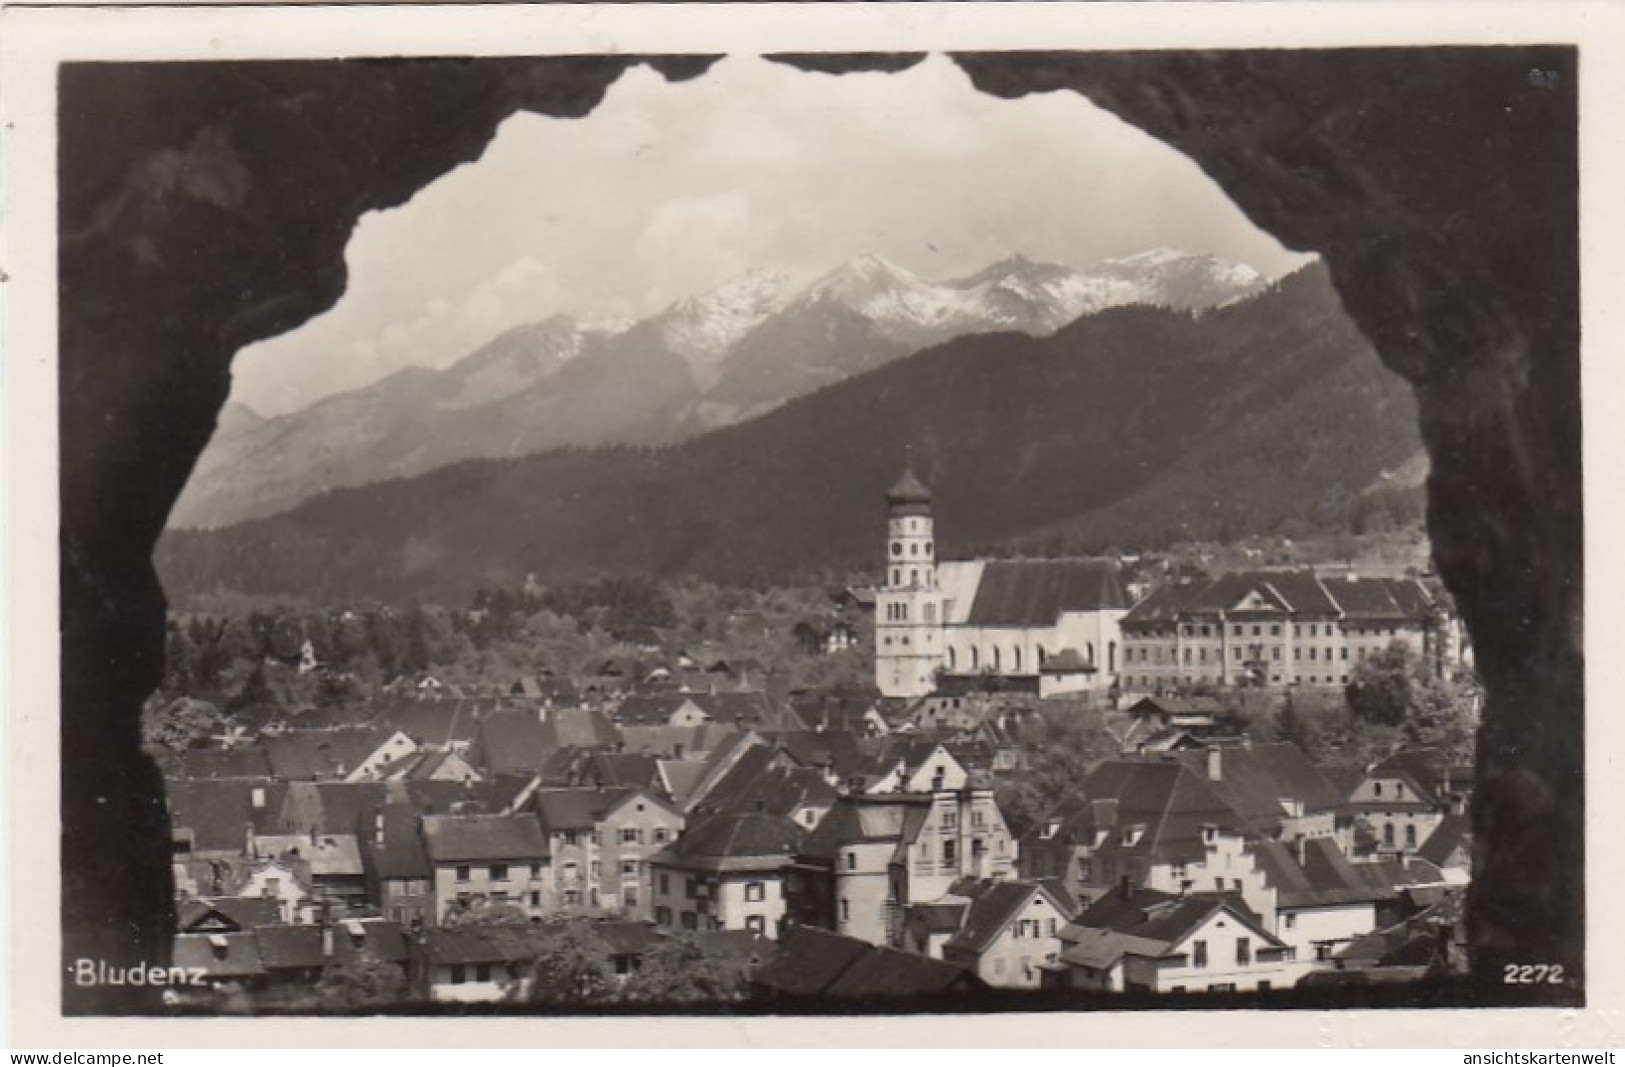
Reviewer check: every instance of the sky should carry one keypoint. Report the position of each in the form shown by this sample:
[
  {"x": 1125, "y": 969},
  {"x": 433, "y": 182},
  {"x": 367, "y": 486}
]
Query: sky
[{"x": 669, "y": 190}]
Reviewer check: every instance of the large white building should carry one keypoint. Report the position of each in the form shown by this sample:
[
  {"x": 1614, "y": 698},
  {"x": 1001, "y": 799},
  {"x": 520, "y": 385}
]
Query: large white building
[{"x": 1053, "y": 622}]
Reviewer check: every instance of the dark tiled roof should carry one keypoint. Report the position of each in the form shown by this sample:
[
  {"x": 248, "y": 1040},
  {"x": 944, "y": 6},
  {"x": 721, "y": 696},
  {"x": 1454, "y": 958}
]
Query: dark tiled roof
[
  {"x": 746, "y": 841},
  {"x": 308, "y": 755},
  {"x": 757, "y": 783},
  {"x": 889, "y": 974},
  {"x": 1155, "y": 916},
  {"x": 908, "y": 490},
  {"x": 1380, "y": 599},
  {"x": 290, "y": 947},
  {"x": 445, "y": 946},
  {"x": 809, "y": 961},
  {"x": 513, "y": 741},
  {"x": 575, "y": 809},
  {"x": 651, "y": 709},
  {"x": 1452, "y": 832},
  {"x": 454, "y": 838},
  {"x": 219, "y": 763},
  {"x": 613, "y": 768},
  {"x": 441, "y": 722},
  {"x": 1324, "y": 877},
  {"x": 219, "y": 812},
  {"x": 939, "y": 918},
  {"x": 584, "y": 728},
  {"x": 240, "y": 958},
  {"x": 400, "y": 854},
  {"x": 853, "y": 821},
  {"x": 369, "y": 939},
  {"x": 244, "y": 913},
  {"x": 1167, "y": 799},
  {"x": 1037, "y": 592}
]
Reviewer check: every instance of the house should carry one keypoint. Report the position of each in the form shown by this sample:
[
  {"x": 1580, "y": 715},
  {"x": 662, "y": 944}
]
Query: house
[
  {"x": 1450, "y": 848},
  {"x": 463, "y": 965},
  {"x": 761, "y": 781},
  {"x": 445, "y": 724},
  {"x": 1274, "y": 789},
  {"x": 212, "y": 819},
  {"x": 1321, "y": 901},
  {"x": 1008, "y": 930},
  {"x": 400, "y": 878},
  {"x": 1404, "y": 798},
  {"x": 225, "y": 915},
  {"x": 726, "y": 872},
  {"x": 332, "y": 863},
  {"x": 496, "y": 860},
  {"x": 600, "y": 841},
  {"x": 1271, "y": 628},
  {"x": 221, "y": 960},
  {"x": 291, "y": 955},
  {"x": 1150, "y": 941},
  {"x": 285, "y": 884}
]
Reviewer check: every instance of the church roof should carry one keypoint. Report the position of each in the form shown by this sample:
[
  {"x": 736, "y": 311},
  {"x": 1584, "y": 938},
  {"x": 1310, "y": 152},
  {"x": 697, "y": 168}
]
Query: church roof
[
  {"x": 908, "y": 491},
  {"x": 1038, "y": 592}
]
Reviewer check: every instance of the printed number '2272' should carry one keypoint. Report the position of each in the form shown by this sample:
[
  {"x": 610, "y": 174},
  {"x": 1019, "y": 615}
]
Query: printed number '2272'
[{"x": 1532, "y": 973}]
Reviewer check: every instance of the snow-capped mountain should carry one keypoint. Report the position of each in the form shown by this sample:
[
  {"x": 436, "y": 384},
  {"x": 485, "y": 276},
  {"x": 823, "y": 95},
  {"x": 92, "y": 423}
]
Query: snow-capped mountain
[
  {"x": 704, "y": 329},
  {"x": 710, "y": 360}
]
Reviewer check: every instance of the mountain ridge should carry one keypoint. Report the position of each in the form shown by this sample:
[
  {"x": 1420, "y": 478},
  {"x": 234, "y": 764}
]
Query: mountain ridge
[{"x": 1134, "y": 426}]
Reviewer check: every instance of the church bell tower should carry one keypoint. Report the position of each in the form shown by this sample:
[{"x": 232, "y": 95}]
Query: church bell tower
[{"x": 909, "y": 645}]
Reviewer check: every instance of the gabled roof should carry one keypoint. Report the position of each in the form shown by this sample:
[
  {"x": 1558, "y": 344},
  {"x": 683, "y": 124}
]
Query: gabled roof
[
  {"x": 1162, "y": 917},
  {"x": 513, "y": 741},
  {"x": 441, "y": 722},
  {"x": 1038, "y": 592},
  {"x": 231, "y": 913},
  {"x": 747, "y": 841},
  {"x": 476, "y": 838},
  {"x": 809, "y": 961},
  {"x": 562, "y": 810},
  {"x": 1253, "y": 780},
  {"x": 617, "y": 769},
  {"x": 653, "y": 709},
  {"x": 759, "y": 783},
  {"x": 888, "y": 973},
  {"x": 679, "y": 777},
  {"x": 584, "y": 728},
  {"x": 857, "y": 821},
  {"x": 1169, "y": 802},
  {"x": 218, "y": 813},
  {"x": 694, "y": 742},
  {"x": 1420, "y": 768},
  {"x": 992, "y": 906},
  {"x": 1323, "y": 878},
  {"x": 308, "y": 755}
]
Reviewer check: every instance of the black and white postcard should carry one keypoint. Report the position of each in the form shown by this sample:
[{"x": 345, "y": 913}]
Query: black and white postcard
[{"x": 844, "y": 523}]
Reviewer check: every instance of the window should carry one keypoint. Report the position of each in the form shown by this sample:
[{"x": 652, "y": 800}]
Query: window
[
  {"x": 1275, "y": 654},
  {"x": 897, "y": 548},
  {"x": 1345, "y": 653},
  {"x": 1257, "y": 630},
  {"x": 1053, "y": 927},
  {"x": 629, "y": 868},
  {"x": 755, "y": 924},
  {"x": 1291, "y": 919},
  {"x": 571, "y": 837},
  {"x": 1199, "y": 953},
  {"x": 482, "y": 972},
  {"x": 690, "y": 921},
  {"x": 1410, "y": 836},
  {"x": 593, "y": 870},
  {"x": 663, "y": 916},
  {"x": 755, "y": 891},
  {"x": 1236, "y": 630},
  {"x": 665, "y": 884},
  {"x": 950, "y": 851},
  {"x": 629, "y": 898},
  {"x": 1388, "y": 834},
  {"x": 535, "y": 899},
  {"x": 499, "y": 872},
  {"x": 661, "y": 834},
  {"x": 631, "y": 835},
  {"x": 1275, "y": 630},
  {"x": 458, "y": 974},
  {"x": 1376, "y": 788},
  {"x": 950, "y": 819},
  {"x": 535, "y": 872},
  {"x": 978, "y": 817},
  {"x": 1244, "y": 951},
  {"x": 851, "y": 861},
  {"x": 846, "y": 910},
  {"x": 1312, "y": 652},
  {"x": 462, "y": 873}
]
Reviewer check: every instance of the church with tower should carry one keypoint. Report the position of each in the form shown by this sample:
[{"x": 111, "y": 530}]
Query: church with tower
[{"x": 1048, "y": 624}]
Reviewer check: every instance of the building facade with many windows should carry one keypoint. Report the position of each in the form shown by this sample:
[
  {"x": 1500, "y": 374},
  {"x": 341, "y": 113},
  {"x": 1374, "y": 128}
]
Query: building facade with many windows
[{"x": 1272, "y": 628}]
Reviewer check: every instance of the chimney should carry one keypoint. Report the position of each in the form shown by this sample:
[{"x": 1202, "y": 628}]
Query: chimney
[
  {"x": 378, "y": 827},
  {"x": 1215, "y": 765}
]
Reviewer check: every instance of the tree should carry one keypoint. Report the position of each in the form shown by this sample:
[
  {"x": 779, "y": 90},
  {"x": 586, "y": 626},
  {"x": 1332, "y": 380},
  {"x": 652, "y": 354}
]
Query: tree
[
  {"x": 363, "y": 983},
  {"x": 1380, "y": 688},
  {"x": 180, "y": 723},
  {"x": 682, "y": 970},
  {"x": 483, "y": 911},
  {"x": 573, "y": 968}
]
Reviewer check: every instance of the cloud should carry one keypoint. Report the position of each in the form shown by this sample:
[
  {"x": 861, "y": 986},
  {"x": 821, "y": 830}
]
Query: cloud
[{"x": 667, "y": 189}]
